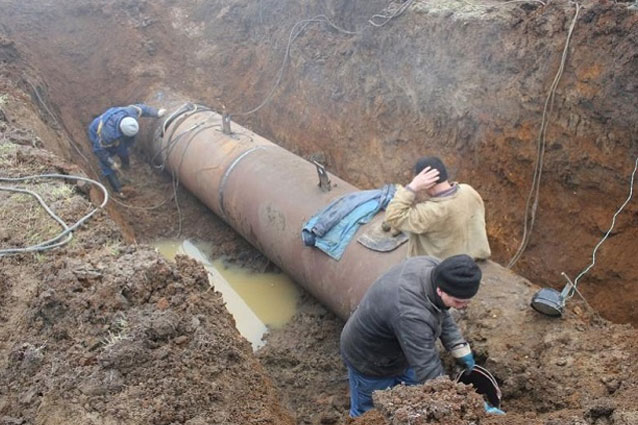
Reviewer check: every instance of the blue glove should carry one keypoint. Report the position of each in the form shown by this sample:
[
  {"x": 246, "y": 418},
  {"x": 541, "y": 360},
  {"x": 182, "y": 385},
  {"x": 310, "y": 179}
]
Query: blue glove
[
  {"x": 493, "y": 410},
  {"x": 468, "y": 361}
]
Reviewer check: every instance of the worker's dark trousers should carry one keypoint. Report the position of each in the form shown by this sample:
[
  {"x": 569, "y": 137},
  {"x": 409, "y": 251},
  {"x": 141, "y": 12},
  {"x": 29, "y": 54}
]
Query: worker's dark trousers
[{"x": 115, "y": 182}]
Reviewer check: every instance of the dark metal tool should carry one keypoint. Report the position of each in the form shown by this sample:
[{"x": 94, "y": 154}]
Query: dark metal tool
[{"x": 550, "y": 302}]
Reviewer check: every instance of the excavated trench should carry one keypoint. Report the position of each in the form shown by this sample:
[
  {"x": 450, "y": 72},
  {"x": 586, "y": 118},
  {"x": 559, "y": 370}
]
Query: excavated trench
[{"x": 465, "y": 80}]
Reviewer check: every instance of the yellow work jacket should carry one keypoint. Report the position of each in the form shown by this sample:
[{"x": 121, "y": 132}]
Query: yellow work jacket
[{"x": 441, "y": 226}]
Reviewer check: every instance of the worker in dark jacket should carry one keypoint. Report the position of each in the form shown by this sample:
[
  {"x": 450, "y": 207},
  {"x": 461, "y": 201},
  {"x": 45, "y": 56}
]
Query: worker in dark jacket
[
  {"x": 391, "y": 336},
  {"x": 113, "y": 133}
]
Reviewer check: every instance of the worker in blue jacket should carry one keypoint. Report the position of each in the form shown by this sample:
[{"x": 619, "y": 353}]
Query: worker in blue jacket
[{"x": 113, "y": 133}]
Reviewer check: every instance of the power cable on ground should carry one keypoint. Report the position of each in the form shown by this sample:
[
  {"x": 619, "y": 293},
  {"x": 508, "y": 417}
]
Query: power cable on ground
[
  {"x": 55, "y": 241},
  {"x": 41, "y": 101},
  {"x": 301, "y": 25},
  {"x": 387, "y": 16}
]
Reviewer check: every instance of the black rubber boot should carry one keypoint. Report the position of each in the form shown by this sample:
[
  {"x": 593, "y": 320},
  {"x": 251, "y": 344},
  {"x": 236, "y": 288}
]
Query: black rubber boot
[{"x": 115, "y": 182}]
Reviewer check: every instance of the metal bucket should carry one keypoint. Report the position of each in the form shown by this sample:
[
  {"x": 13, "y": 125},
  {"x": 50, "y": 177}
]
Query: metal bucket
[{"x": 483, "y": 382}]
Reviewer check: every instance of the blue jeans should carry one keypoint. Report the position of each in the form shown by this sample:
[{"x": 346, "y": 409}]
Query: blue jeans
[{"x": 362, "y": 386}]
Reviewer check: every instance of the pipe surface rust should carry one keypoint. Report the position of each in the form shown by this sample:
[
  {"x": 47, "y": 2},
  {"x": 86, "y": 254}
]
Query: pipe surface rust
[{"x": 267, "y": 194}]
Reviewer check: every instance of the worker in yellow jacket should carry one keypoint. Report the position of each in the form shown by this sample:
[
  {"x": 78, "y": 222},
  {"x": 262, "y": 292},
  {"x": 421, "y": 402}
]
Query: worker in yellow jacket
[{"x": 449, "y": 220}]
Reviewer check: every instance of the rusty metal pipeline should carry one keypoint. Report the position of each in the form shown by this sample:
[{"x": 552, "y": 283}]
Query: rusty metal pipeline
[{"x": 267, "y": 194}]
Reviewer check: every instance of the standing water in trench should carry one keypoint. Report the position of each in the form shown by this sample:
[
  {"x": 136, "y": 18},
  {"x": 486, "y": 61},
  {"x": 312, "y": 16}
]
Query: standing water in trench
[{"x": 257, "y": 301}]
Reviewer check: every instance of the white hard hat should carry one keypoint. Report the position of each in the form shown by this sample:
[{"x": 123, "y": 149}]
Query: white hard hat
[{"x": 129, "y": 126}]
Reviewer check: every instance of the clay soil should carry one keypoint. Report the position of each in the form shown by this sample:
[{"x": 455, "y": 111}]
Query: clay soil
[{"x": 104, "y": 330}]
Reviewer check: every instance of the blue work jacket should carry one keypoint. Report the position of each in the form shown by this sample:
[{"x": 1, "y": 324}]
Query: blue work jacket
[{"x": 104, "y": 130}]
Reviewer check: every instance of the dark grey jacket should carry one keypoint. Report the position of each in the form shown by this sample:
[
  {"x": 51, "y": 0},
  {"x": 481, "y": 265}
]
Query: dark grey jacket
[{"x": 397, "y": 323}]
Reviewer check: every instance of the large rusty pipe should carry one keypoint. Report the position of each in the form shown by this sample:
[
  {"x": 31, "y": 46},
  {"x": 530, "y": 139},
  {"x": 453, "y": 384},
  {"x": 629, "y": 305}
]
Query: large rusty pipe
[{"x": 267, "y": 194}]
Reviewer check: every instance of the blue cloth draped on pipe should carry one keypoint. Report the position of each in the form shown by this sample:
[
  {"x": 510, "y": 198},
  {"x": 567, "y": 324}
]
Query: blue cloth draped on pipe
[{"x": 332, "y": 228}]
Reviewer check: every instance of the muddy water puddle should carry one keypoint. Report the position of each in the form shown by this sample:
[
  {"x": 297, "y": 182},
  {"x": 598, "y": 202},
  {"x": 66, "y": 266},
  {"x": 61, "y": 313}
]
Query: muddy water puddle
[{"x": 257, "y": 301}]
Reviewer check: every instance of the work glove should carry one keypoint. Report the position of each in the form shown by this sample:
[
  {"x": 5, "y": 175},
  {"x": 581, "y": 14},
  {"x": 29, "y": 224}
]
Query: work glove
[
  {"x": 468, "y": 361},
  {"x": 387, "y": 228},
  {"x": 161, "y": 112},
  {"x": 463, "y": 354},
  {"x": 492, "y": 410},
  {"x": 113, "y": 165}
]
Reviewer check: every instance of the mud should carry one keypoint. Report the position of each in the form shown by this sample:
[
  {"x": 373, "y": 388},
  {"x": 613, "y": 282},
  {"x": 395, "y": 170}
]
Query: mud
[
  {"x": 90, "y": 330},
  {"x": 105, "y": 331},
  {"x": 304, "y": 362}
]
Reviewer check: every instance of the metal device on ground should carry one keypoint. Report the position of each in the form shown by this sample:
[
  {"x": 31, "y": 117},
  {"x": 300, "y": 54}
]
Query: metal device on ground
[
  {"x": 484, "y": 384},
  {"x": 550, "y": 302}
]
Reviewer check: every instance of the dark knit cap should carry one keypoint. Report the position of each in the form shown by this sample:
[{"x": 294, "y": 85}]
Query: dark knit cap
[
  {"x": 432, "y": 162},
  {"x": 458, "y": 276}
]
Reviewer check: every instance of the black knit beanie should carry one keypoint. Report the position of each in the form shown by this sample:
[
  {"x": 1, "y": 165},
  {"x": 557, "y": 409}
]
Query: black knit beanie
[
  {"x": 432, "y": 162},
  {"x": 458, "y": 276}
]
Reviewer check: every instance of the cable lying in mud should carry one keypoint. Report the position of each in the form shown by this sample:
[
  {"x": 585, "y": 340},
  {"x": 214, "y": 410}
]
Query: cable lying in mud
[
  {"x": 57, "y": 123},
  {"x": 42, "y": 102},
  {"x": 387, "y": 16},
  {"x": 67, "y": 232},
  {"x": 182, "y": 113}
]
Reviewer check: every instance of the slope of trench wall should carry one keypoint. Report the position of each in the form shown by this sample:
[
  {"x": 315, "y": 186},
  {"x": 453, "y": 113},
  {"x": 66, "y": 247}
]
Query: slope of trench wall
[{"x": 464, "y": 80}]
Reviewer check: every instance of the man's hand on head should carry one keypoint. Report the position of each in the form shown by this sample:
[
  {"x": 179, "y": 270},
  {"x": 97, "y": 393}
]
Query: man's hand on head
[{"x": 426, "y": 179}]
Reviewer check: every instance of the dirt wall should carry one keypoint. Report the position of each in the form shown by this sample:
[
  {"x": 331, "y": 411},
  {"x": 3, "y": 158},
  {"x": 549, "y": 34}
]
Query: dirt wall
[
  {"x": 464, "y": 80},
  {"x": 101, "y": 331}
]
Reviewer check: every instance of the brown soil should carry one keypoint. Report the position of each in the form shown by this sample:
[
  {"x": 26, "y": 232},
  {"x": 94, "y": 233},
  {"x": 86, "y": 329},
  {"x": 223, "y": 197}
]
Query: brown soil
[
  {"x": 90, "y": 331},
  {"x": 439, "y": 401},
  {"x": 103, "y": 330}
]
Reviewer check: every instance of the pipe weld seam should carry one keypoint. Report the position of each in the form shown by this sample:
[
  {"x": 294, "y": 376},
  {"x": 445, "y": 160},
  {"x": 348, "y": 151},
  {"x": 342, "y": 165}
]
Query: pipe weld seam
[{"x": 227, "y": 174}]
